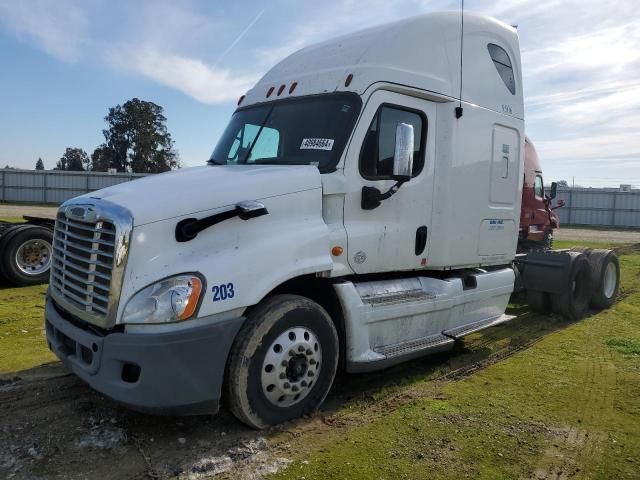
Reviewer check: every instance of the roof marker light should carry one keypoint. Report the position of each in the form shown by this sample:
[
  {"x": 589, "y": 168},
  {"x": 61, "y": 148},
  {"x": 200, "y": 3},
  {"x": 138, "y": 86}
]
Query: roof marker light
[
  {"x": 280, "y": 90},
  {"x": 241, "y": 99},
  {"x": 292, "y": 87},
  {"x": 270, "y": 92},
  {"x": 347, "y": 82}
]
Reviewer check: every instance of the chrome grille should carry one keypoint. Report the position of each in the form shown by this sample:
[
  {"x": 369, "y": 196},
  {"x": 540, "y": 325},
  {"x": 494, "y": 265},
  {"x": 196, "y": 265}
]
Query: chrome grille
[{"x": 83, "y": 258}]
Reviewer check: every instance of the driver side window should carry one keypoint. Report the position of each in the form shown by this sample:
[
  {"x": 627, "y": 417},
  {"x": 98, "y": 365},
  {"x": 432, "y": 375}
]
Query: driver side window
[
  {"x": 539, "y": 187},
  {"x": 376, "y": 155}
]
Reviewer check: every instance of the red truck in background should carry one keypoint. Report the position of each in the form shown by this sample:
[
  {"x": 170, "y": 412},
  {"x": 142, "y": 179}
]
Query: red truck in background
[{"x": 537, "y": 218}]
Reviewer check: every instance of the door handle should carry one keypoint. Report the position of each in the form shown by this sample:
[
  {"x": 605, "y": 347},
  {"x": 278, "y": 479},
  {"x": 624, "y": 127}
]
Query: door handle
[
  {"x": 506, "y": 166},
  {"x": 421, "y": 239}
]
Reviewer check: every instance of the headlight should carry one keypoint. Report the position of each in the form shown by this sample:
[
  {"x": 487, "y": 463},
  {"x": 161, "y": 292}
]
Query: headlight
[{"x": 169, "y": 300}]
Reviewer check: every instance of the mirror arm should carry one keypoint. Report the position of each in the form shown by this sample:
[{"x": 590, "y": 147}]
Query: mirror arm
[
  {"x": 372, "y": 197},
  {"x": 391, "y": 192}
]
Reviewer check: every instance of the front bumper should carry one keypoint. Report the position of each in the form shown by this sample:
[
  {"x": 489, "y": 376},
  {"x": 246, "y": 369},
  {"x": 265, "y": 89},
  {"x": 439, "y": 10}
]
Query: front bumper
[{"x": 173, "y": 373}]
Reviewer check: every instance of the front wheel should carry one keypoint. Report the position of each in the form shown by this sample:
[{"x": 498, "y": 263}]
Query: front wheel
[{"x": 283, "y": 361}]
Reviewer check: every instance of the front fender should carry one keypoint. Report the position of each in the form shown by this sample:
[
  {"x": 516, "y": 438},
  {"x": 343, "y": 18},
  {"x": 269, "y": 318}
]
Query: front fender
[{"x": 254, "y": 255}]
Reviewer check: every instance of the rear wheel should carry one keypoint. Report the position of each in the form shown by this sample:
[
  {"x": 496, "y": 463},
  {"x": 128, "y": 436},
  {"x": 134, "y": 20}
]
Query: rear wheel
[
  {"x": 605, "y": 269},
  {"x": 25, "y": 255},
  {"x": 574, "y": 302},
  {"x": 539, "y": 302},
  {"x": 283, "y": 361}
]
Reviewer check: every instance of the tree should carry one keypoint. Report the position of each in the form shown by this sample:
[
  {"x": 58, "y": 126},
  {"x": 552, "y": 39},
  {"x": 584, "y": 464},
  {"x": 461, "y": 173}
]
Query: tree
[
  {"x": 100, "y": 159},
  {"x": 136, "y": 139},
  {"x": 39, "y": 164},
  {"x": 73, "y": 159},
  {"x": 562, "y": 183}
]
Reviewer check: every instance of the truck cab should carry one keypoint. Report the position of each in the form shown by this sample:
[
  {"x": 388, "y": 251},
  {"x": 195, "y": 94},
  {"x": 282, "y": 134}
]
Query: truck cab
[
  {"x": 537, "y": 218},
  {"x": 361, "y": 208}
]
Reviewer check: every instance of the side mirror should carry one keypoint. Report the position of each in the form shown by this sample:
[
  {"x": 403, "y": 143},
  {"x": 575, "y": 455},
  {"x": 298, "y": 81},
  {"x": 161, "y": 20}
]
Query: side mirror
[
  {"x": 403, "y": 153},
  {"x": 554, "y": 191}
]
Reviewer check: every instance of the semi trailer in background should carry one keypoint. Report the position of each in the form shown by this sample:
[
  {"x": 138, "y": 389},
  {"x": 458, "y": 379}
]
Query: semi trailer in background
[
  {"x": 362, "y": 208},
  {"x": 26, "y": 250}
]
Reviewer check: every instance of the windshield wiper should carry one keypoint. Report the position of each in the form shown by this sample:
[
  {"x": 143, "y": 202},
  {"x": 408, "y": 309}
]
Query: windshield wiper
[{"x": 255, "y": 139}]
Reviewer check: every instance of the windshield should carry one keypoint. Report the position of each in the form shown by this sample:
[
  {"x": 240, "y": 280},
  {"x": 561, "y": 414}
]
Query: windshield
[{"x": 301, "y": 131}]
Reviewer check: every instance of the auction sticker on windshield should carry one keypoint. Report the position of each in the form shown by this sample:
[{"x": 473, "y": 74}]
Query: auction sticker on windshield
[{"x": 316, "y": 144}]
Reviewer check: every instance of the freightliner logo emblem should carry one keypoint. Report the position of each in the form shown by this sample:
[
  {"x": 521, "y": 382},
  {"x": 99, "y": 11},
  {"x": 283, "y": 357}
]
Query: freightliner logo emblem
[{"x": 80, "y": 212}]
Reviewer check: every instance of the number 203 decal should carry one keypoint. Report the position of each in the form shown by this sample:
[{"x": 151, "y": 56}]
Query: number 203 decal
[{"x": 223, "y": 292}]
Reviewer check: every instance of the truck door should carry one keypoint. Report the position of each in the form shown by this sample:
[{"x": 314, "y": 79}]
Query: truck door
[{"x": 395, "y": 235}]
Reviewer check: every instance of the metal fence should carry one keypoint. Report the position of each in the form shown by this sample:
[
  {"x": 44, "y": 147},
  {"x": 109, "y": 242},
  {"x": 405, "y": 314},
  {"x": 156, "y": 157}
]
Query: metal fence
[
  {"x": 609, "y": 207},
  {"x": 53, "y": 186},
  {"x": 583, "y": 206}
]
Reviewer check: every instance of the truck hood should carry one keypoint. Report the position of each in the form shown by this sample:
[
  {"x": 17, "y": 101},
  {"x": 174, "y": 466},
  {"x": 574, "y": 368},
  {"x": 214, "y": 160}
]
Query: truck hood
[{"x": 197, "y": 189}]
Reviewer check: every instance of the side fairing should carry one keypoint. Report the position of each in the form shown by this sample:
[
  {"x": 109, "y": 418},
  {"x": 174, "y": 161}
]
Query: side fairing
[{"x": 245, "y": 259}]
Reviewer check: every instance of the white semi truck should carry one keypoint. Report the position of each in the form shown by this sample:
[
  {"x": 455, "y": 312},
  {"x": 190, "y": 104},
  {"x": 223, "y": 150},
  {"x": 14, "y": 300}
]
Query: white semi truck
[{"x": 361, "y": 209}]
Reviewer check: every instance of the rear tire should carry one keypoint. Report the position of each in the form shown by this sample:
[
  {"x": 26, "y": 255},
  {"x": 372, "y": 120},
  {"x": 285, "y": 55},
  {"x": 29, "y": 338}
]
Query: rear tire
[
  {"x": 605, "y": 271},
  {"x": 539, "y": 302},
  {"x": 283, "y": 361},
  {"x": 574, "y": 302},
  {"x": 25, "y": 255}
]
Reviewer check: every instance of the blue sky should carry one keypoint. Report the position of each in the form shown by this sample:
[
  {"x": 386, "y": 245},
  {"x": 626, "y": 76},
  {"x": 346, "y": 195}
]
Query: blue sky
[{"x": 65, "y": 62}]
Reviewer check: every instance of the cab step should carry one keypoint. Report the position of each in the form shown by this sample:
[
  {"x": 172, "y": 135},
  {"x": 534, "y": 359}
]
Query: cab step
[
  {"x": 470, "y": 328},
  {"x": 403, "y": 296},
  {"x": 410, "y": 347}
]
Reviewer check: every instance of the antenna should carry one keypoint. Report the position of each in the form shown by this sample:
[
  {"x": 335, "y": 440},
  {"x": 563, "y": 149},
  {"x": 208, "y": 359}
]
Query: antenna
[{"x": 459, "y": 107}]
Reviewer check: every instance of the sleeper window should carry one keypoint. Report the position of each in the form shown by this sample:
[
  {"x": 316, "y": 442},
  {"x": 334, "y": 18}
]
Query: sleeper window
[
  {"x": 502, "y": 62},
  {"x": 376, "y": 156}
]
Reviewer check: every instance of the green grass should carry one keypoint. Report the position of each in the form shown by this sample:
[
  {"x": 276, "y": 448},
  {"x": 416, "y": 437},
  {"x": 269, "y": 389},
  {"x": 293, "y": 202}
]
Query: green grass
[
  {"x": 561, "y": 244},
  {"x": 567, "y": 403},
  {"x": 22, "y": 338},
  {"x": 625, "y": 346},
  {"x": 12, "y": 219},
  {"x": 566, "y": 407}
]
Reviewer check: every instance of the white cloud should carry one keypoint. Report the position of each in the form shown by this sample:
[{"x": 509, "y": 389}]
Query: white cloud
[
  {"x": 581, "y": 59},
  {"x": 60, "y": 28},
  {"x": 190, "y": 75}
]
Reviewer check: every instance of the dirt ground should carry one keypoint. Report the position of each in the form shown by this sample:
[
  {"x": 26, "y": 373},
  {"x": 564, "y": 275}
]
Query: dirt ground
[
  {"x": 55, "y": 426},
  {"x": 8, "y": 210},
  {"x": 593, "y": 235}
]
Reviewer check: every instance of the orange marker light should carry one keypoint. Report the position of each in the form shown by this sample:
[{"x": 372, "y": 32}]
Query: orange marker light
[
  {"x": 281, "y": 89},
  {"x": 269, "y": 92},
  {"x": 192, "y": 302},
  {"x": 347, "y": 82},
  {"x": 240, "y": 99},
  {"x": 336, "y": 251},
  {"x": 292, "y": 87}
]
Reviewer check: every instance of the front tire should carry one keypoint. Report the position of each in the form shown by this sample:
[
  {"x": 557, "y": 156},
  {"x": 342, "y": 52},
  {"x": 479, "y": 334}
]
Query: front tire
[{"x": 283, "y": 361}]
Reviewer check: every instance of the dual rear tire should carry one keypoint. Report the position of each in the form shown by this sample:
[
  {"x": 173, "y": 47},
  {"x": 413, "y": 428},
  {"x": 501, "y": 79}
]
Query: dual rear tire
[{"x": 594, "y": 281}]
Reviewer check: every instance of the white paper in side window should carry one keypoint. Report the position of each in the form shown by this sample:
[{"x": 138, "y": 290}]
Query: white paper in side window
[{"x": 316, "y": 144}]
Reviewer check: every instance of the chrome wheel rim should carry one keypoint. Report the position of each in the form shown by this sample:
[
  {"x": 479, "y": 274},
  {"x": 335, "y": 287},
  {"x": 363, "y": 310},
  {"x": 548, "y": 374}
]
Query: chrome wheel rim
[
  {"x": 34, "y": 257},
  {"x": 291, "y": 366},
  {"x": 610, "y": 280}
]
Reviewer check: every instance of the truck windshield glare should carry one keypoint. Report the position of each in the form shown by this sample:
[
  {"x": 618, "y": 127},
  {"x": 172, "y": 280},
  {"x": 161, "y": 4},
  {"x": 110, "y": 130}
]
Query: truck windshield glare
[{"x": 301, "y": 131}]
